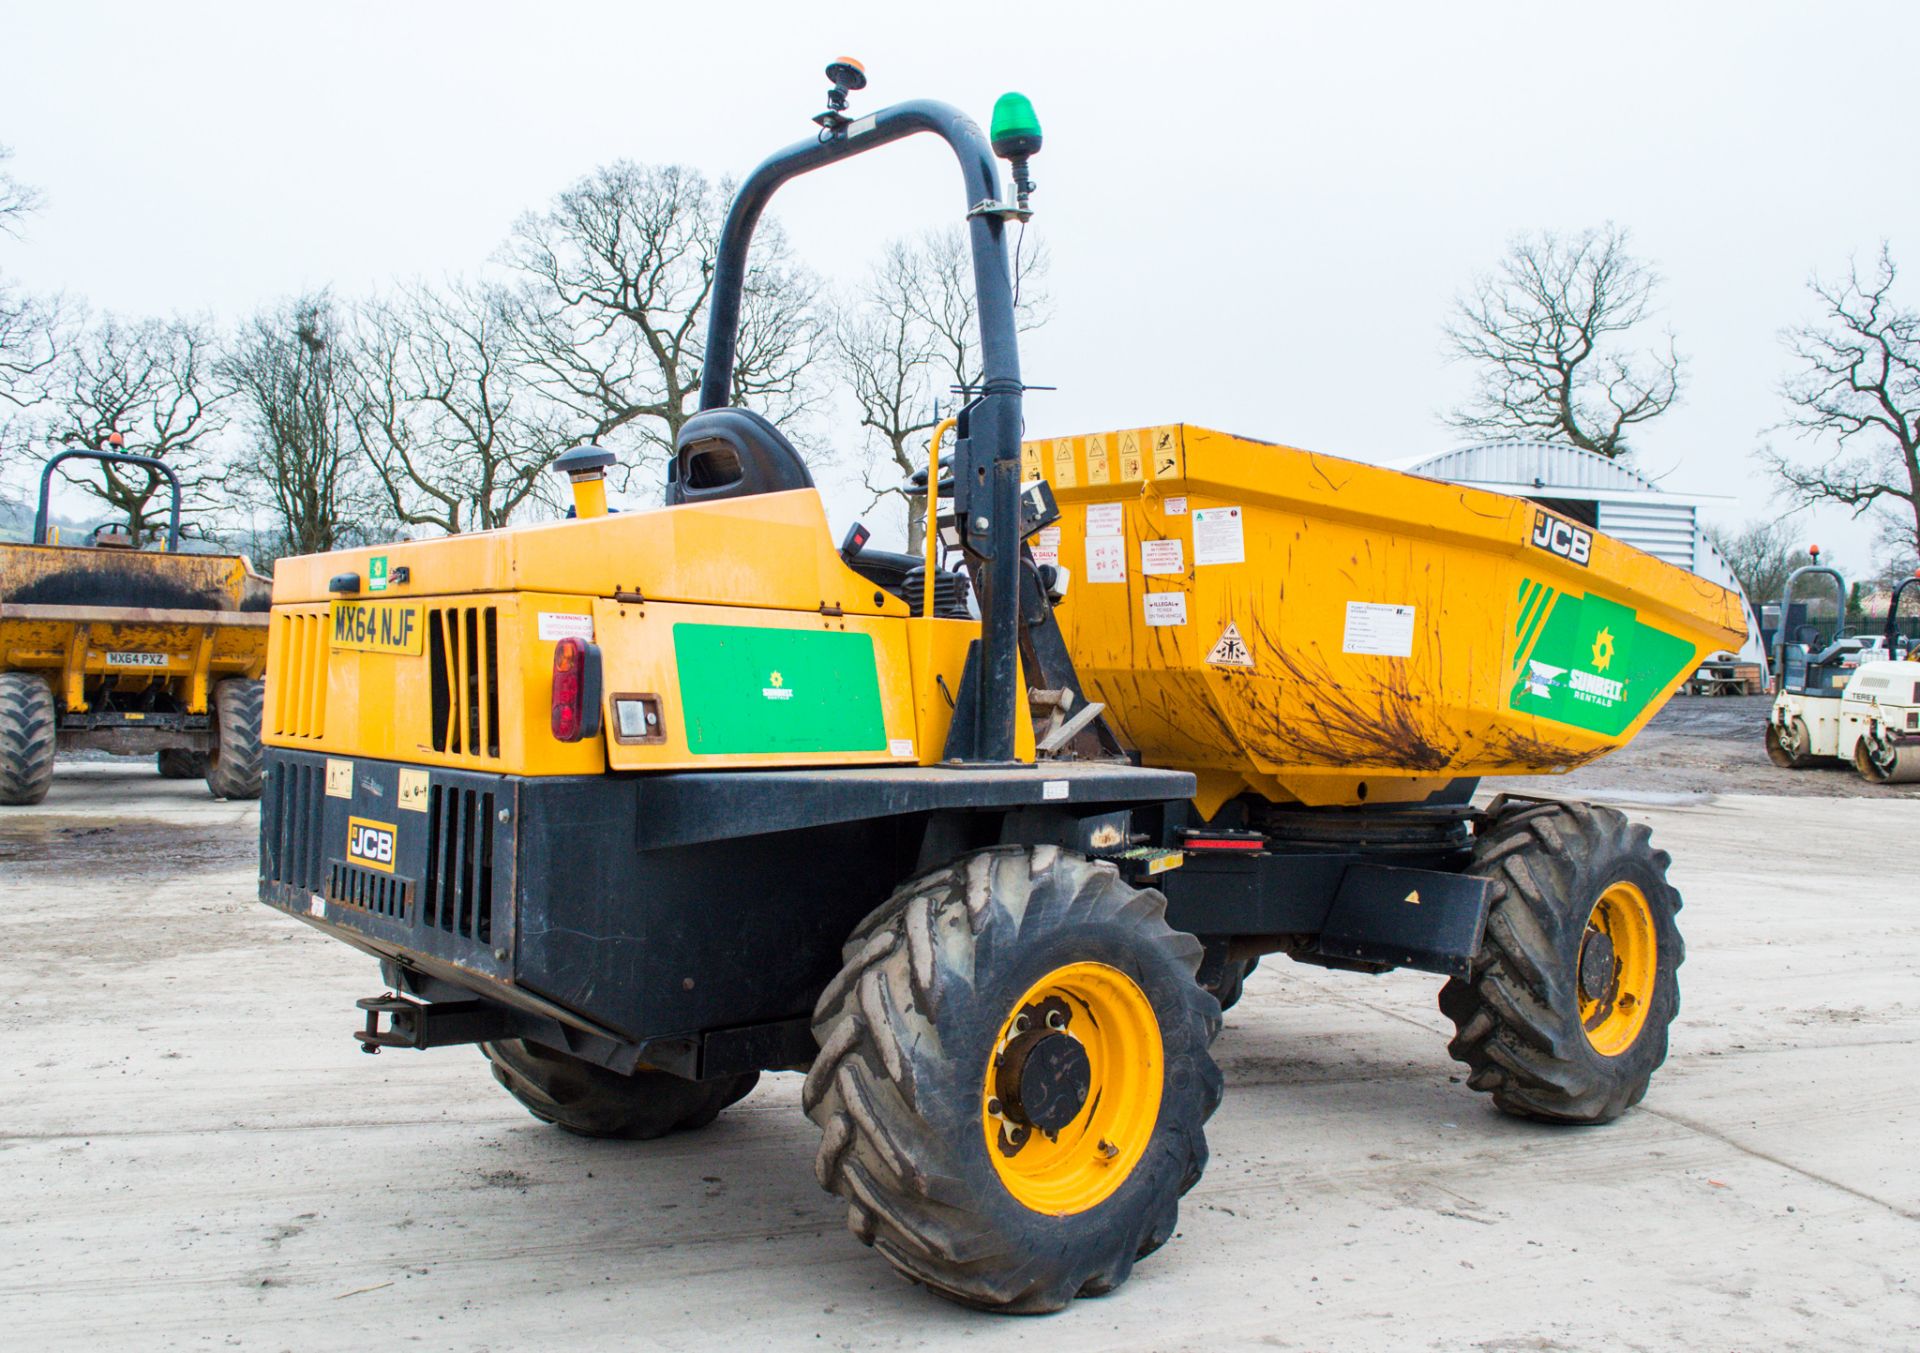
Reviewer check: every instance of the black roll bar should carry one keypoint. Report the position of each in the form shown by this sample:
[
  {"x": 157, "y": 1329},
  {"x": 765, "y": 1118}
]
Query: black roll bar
[
  {"x": 987, "y": 444},
  {"x": 154, "y": 465},
  {"x": 1893, "y": 612},
  {"x": 1786, "y": 609}
]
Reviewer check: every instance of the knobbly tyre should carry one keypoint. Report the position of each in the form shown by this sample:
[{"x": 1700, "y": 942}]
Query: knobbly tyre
[
  {"x": 645, "y": 804},
  {"x": 108, "y": 647}
]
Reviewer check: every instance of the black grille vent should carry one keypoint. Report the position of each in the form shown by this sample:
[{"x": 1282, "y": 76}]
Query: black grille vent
[
  {"x": 381, "y": 894},
  {"x": 295, "y": 811},
  {"x": 459, "y": 889},
  {"x": 464, "y": 645}
]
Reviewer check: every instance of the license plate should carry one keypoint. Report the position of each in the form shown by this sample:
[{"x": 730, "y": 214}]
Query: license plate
[
  {"x": 378, "y": 627},
  {"x": 137, "y": 659}
]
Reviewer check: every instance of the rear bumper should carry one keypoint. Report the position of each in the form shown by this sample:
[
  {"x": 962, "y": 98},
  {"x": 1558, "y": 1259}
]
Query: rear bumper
[
  {"x": 444, "y": 892},
  {"x": 136, "y": 734},
  {"x": 664, "y": 911}
]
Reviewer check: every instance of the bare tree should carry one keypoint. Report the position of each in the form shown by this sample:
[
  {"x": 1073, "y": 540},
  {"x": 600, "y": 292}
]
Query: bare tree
[
  {"x": 1542, "y": 332},
  {"x": 289, "y": 372},
  {"x": 620, "y": 268},
  {"x": 152, "y": 382},
  {"x": 30, "y": 326},
  {"x": 458, "y": 438},
  {"x": 905, "y": 342},
  {"x": 17, "y": 199},
  {"x": 1761, "y": 554},
  {"x": 1858, "y": 383}
]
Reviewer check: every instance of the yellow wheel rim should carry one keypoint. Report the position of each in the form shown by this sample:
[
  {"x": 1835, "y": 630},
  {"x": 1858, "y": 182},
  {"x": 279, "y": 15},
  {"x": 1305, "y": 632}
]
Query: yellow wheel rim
[
  {"x": 1617, "y": 969},
  {"x": 1112, "y": 1070}
]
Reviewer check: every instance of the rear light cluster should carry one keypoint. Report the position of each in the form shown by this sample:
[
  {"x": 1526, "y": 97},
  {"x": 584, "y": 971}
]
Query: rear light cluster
[{"x": 575, "y": 711}]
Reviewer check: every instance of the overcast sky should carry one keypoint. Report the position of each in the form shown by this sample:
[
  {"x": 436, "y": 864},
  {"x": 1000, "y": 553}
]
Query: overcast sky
[{"x": 1258, "y": 214}]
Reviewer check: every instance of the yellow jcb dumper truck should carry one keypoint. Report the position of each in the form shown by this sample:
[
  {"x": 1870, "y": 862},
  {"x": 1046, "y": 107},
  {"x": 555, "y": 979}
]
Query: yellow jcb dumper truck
[
  {"x": 646, "y": 804},
  {"x": 135, "y": 652}
]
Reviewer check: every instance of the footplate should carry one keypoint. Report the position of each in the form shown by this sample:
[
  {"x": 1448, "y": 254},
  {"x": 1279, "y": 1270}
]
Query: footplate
[{"x": 1407, "y": 918}]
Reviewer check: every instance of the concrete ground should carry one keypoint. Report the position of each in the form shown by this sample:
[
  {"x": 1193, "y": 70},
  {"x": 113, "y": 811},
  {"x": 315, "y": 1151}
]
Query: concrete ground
[{"x": 194, "y": 1154}]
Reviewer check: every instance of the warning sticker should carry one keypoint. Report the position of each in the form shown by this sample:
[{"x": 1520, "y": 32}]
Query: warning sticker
[
  {"x": 1063, "y": 463},
  {"x": 1174, "y": 507},
  {"x": 1166, "y": 608},
  {"x": 1163, "y": 556},
  {"x": 564, "y": 625},
  {"x": 1217, "y": 536},
  {"x": 1103, "y": 519},
  {"x": 1029, "y": 462},
  {"x": 1106, "y": 559},
  {"x": 413, "y": 795},
  {"x": 1384, "y": 631},
  {"x": 1232, "y": 650},
  {"x": 1046, "y": 545},
  {"x": 1166, "y": 452},
  {"x": 1097, "y": 461},
  {"x": 1132, "y": 463}
]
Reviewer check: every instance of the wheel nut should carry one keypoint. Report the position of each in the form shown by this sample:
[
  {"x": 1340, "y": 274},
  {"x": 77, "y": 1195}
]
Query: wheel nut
[
  {"x": 993, "y": 1107},
  {"x": 1056, "y": 1019}
]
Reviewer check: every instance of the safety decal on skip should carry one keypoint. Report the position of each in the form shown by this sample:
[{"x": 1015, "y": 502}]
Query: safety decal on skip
[
  {"x": 1166, "y": 608},
  {"x": 1231, "y": 650},
  {"x": 1163, "y": 556},
  {"x": 1217, "y": 536}
]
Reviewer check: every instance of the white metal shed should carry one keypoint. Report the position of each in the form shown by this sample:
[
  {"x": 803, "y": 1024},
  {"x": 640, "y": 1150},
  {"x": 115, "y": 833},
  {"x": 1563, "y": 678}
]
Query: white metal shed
[{"x": 1610, "y": 497}]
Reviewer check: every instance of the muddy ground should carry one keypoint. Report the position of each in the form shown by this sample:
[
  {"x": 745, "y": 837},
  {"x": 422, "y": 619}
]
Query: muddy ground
[
  {"x": 1704, "y": 744},
  {"x": 193, "y": 1153}
]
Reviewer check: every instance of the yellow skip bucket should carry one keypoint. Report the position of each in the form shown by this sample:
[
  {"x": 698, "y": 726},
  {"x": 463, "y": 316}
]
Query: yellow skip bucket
[{"x": 1327, "y": 632}]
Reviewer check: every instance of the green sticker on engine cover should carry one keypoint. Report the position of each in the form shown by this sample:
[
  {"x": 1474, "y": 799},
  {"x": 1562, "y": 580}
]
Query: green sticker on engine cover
[
  {"x": 1593, "y": 663},
  {"x": 745, "y": 689}
]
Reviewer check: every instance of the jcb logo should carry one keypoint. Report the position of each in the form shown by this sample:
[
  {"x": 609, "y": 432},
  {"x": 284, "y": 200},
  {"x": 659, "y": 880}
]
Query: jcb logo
[
  {"x": 370, "y": 843},
  {"x": 1562, "y": 538}
]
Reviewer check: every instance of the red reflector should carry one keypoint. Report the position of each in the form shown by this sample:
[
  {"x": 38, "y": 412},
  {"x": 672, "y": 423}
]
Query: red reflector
[
  {"x": 1225, "y": 843},
  {"x": 569, "y": 657}
]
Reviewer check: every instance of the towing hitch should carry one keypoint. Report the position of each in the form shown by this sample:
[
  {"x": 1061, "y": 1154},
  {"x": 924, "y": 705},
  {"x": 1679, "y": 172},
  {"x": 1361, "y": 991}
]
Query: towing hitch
[{"x": 430, "y": 1024}]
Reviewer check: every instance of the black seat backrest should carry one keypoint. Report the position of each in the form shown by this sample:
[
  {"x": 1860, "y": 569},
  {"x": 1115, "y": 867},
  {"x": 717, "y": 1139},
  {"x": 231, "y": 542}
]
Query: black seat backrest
[{"x": 731, "y": 453}]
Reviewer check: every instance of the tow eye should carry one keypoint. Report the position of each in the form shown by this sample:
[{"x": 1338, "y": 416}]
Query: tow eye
[
  {"x": 1042, "y": 1077},
  {"x": 430, "y": 1024}
]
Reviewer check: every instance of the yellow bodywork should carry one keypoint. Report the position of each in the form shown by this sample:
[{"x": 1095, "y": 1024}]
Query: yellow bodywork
[
  {"x": 1309, "y": 699},
  {"x": 1307, "y": 628},
  {"x": 481, "y": 614},
  {"x": 144, "y": 619}
]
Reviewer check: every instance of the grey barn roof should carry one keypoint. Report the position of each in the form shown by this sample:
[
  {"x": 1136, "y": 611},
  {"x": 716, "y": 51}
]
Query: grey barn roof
[{"x": 1630, "y": 506}]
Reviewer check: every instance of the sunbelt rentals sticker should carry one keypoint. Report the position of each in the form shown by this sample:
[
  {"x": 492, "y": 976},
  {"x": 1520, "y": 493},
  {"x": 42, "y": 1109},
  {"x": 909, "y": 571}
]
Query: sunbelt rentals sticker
[{"x": 1588, "y": 661}]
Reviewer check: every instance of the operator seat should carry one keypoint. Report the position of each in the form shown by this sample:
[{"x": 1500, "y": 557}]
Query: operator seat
[{"x": 731, "y": 453}]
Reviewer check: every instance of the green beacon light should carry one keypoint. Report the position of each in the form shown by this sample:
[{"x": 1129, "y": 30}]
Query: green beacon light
[
  {"x": 1016, "y": 128},
  {"x": 1015, "y": 135}
]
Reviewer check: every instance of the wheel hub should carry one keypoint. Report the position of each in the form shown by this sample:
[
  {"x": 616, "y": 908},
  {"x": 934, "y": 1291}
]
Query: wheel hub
[
  {"x": 1044, "y": 1080},
  {"x": 1072, "y": 1087},
  {"x": 1597, "y": 966},
  {"x": 1617, "y": 971}
]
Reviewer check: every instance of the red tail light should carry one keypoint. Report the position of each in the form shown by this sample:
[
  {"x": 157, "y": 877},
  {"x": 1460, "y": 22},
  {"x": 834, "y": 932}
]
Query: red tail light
[{"x": 570, "y": 680}]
